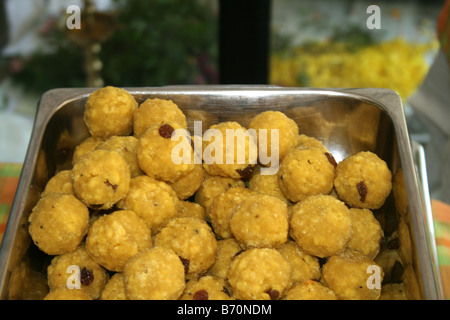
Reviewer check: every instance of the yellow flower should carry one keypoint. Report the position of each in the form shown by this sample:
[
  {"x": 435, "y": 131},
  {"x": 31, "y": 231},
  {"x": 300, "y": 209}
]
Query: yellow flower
[{"x": 394, "y": 64}]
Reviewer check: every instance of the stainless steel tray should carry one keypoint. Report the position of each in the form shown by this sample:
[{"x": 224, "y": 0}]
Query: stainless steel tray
[{"x": 345, "y": 120}]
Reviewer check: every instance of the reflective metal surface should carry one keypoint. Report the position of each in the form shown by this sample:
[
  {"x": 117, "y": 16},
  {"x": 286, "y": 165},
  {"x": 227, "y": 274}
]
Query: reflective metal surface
[{"x": 345, "y": 120}]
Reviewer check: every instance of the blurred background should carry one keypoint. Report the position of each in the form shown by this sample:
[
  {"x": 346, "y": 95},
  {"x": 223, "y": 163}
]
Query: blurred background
[{"x": 304, "y": 43}]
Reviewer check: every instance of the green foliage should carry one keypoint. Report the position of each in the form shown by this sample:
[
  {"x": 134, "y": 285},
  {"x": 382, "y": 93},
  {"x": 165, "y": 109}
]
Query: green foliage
[
  {"x": 156, "y": 42},
  {"x": 160, "y": 42}
]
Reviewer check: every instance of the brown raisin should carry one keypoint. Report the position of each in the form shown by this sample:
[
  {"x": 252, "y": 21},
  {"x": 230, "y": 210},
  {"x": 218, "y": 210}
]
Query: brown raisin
[
  {"x": 362, "y": 190},
  {"x": 331, "y": 159},
  {"x": 201, "y": 295},
  {"x": 273, "y": 294},
  {"x": 185, "y": 264},
  {"x": 113, "y": 186},
  {"x": 166, "y": 131},
  {"x": 86, "y": 276},
  {"x": 246, "y": 172}
]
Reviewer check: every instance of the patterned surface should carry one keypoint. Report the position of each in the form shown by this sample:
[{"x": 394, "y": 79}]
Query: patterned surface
[
  {"x": 9, "y": 178},
  {"x": 441, "y": 213}
]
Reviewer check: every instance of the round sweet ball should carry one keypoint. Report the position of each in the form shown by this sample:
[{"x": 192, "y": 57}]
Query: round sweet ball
[
  {"x": 226, "y": 250},
  {"x": 304, "y": 266},
  {"x": 321, "y": 225},
  {"x": 116, "y": 237},
  {"x": 222, "y": 209},
  {"x": 229, "y": 151},
  {"x": 189, "y": 209},
  {"x": 109, "y": 112},
  {"x": 393, "y": 291},
  {"x": 260, "y": 221},
  {"x": 213, "y": 186},
  {"x": 206, "y": 288},
  {"x": 309, "y": 290},
  {"x": 187, "y": 185},
  {"x": 305, "y": 172},
  {"x": 352, "y": 276},
  {"x": 101, "y": 178},
  {"x": 154, "y": 274},
  {"x": 64, "y": 293},
  {"x": 192, "y": 240},
  {"x": 366, "y": 232},
  {"x": 363, "y": 180},
  {"x": 126, "y": 147},
  {"x": 58, "y": 223},
  {"x": 286, "y": 129},
  {"x": 266, "y": 184},
  {"x": 155, "y": 111},
  {"x": 87, "y": 145},
  {"x": 79, "y": 270},
  {"x": 114, "y": 288},
  {"x": 59, "y": 183},
  {"x": 308, "y": 142},
  {"x": 259, "y": 274},
  {"x": 26, "y": 283},
  {"x": 162, "y": 158},
  {"x": 152, "y": 200}
]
